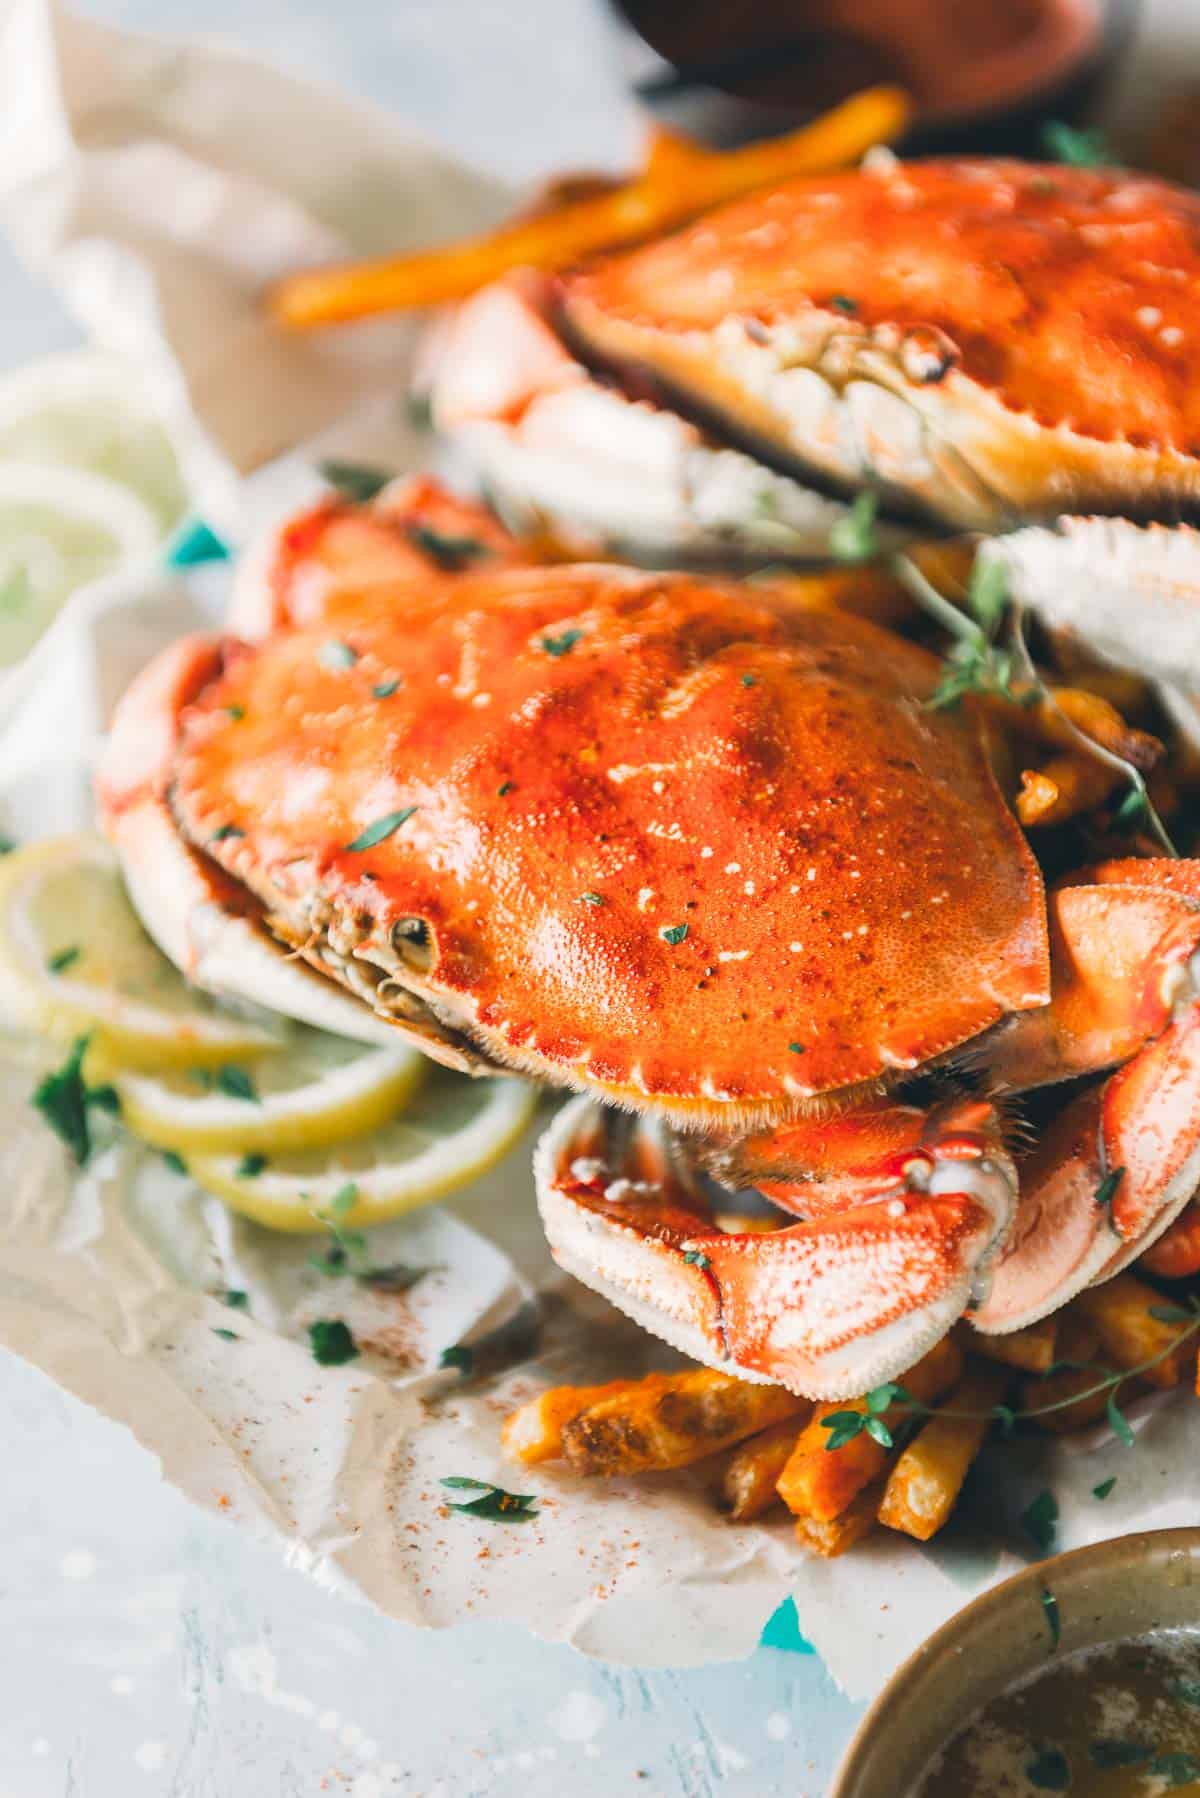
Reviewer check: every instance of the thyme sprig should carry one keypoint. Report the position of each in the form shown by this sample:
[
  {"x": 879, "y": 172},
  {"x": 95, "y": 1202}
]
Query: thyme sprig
[
  {"x": 844, "y": 1426},
  {"x": 981, "y": 662}
]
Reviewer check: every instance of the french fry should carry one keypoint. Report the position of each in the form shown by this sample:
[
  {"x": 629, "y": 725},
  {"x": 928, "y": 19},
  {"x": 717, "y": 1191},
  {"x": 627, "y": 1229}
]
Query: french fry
[
  {"x": 924, "y": 1484},
  {"x": 535, "y": 1432},
  {"x": 671, "y": 1420},
  {"x": 675, "y": 187},
  {"x": 748, "y": 1482},
  {"x": 1031, "y": 1349},
  {"x": 1063, "y": 788},
  {"x": 832, "y": 1536},
  {"x": 1119, "y": 1312},
  {"x": 1078, "y": 1343},
  {"x": 820, "y": 1482}
]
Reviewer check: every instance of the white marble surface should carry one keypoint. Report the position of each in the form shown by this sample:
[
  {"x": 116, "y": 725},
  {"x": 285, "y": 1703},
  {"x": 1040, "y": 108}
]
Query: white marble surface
[{"x": 145, "y": 1649}]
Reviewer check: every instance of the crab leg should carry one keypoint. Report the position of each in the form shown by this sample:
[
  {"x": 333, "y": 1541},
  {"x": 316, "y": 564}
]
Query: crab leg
[
  {"x": 1119, "y": 1164},
  {"x": 827, "y": 1307}
]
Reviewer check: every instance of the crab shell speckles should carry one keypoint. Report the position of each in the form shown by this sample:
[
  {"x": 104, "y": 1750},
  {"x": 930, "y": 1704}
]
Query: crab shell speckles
[
  {"x": 988, "y": 340},
  {"x": 665, "y": 842}
]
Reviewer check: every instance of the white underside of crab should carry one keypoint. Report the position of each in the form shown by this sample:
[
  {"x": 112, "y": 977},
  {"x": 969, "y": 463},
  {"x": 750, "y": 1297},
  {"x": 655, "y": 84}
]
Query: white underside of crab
[{"x": 1130, "y": 592}]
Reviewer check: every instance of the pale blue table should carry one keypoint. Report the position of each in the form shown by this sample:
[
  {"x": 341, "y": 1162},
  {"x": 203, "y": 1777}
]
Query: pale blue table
[{"x": 144, "y": 1648}]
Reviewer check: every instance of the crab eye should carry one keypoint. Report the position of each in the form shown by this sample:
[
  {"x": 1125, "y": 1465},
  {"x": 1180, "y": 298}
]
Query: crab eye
[{"x": 411, "y": 941}]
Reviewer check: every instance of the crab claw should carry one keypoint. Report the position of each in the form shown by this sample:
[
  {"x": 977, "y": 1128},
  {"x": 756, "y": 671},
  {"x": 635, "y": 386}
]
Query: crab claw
[{"x": 827, "y": 1307}]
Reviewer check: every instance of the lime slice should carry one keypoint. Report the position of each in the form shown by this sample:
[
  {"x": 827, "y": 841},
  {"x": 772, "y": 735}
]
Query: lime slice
[
  {"x": 74, "y": 960},
  {"x": 320, "y": 1090},
  {"x": 89, "y": 410},
  {"x": 455, "y": 1130},
  {"x": 59, "y": 529}
]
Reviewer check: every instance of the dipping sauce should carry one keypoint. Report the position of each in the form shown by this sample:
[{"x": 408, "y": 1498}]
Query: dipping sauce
[{"x": 1114, "y": 1722}]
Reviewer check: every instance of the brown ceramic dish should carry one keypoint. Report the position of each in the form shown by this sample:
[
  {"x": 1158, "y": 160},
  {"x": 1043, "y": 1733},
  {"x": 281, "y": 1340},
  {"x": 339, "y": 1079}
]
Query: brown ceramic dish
[{"x": 1104, "y": 1593}]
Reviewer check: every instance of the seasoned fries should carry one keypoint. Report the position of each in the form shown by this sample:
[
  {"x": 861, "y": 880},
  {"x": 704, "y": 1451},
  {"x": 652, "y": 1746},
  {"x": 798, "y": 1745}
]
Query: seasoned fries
[
  {"x": 832, "y": 1536},
  {"x": 1033, "y": 1349},
  {"x": 680, "y": 181},
  {"x": 1078, "y": 1344},
  {"x": 748, "y": 1485},
  {"x": 927, "y": 1478},
  {"x": 1064, "y": 787},
  {"x": 535, "y": 1432},
  {"x": 671, "y": 1420},
  {"x": 820, "y": 1482},
  {"x": 1120, "y": 1312}
]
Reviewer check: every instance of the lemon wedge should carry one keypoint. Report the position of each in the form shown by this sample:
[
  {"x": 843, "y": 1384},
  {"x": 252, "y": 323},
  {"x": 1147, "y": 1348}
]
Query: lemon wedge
[
  {"x": 455, "y": 1131},
  {"x": 320, "y": 1090},
  {"x": 75, "y": 961}
]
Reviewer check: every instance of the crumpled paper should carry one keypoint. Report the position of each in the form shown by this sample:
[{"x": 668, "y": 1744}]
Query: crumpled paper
[{"x": 128, "y": 176}]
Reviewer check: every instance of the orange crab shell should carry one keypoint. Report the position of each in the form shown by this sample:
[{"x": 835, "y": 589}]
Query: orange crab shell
[
  {"x": 1040, "y": 326},
  {"x": 667, "y": 841}
]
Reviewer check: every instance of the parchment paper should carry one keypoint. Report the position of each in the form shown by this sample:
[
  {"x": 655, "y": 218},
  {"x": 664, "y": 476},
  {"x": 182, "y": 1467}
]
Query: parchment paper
[{"x": 128, "y": 174}]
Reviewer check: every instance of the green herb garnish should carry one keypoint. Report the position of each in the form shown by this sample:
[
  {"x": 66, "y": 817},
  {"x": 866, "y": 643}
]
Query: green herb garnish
[
  {"x": 235, "y": 1298},
  {"x": 224, "y": 831},
  {"x": 227, "y": 1335},
  {"x": 65, "y": 958},
  {"x": 673, "y": 933},
  {"x": 1081, "y": 149},
  {"x": 1118, "y": 1423},
  {"x": 354, "y": 480},
  {"x": 1039, "y": 1520},
  {"x": 591, "y": 899},
  {"x": 494, "y": 1503},
  {"x": 504, "y": 790},
  {"x": 855, "y": 538},
  {"x": 451, "y": 553},
  {"x": 250, "y": 1166},
  {"x": 460, "y": 1356},
  {"x": 1104, "y": 1489},
  {"x": 175, "y": 1161},
  {"x": 797, "y": 1048},
  {"x": 236, "y": 1083},
  {"x": 1050, "y": 1772},
  {"x": 236, "y": 712},
  {"x": 841, "y": 302},
  {"x": 1106, "y": 1191},
  {"x": 563, "y": 644},
  {"x": 65, "y": 1101},
  {"x": 382, "y": 828},
  {"x": 386, "y": 688},
  {"x": 696, "y": 1258},
  {"x": 331, "y": 1342},
  {"x": 749, "y": 680}
]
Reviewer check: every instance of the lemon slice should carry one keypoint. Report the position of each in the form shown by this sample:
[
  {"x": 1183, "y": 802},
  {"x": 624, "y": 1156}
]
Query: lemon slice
[
  {"x": 59, "y": 529},
  {"x": 74, "y": 960},
  {"x": 94, "y": 411},
  {"x": 319, "y": 1090},
  {"x": 454, "y": 1131}
]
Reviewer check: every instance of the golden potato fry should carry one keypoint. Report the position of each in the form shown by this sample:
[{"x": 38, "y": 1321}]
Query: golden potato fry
[
  {"x": 675, "y": 187},
  {"x": 819, "y": 1481},
  {"x": 924, "y": 1484},
  {"x": 534, "y": 1433},
  {"x": 1064, "y": 787},
  {"x": 1031, "y": 1349},
  {"x": 1078, "y": 1343},
  {"x": 1119, "y": 1312},
  {"x": 749, "y": 1480},
  {"x": 831, "y": 1536},
  {"x": 671, "y": 1420},
  {"x": 1176, "y": 1254}
]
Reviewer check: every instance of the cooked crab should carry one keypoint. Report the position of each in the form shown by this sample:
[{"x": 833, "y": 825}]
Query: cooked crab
[
  {"x": 983, "y": 342},
  {"x": 711, "y": 862}
]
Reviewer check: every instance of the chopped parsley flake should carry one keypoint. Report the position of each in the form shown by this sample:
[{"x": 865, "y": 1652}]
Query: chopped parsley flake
[
  {"x": 236, "y": 1299},
  {"x": 673, "y": 933},
  {"x": 1104, "y": 1489},
  {"x": 563, "y": 644},
  {"x": 386, "y": 688},
  {"x": 355, "y": 481},
  {"x": 1039, "y": 1520},
  {"x": 66, "y": 958},
  {"x": 236, "y": 1083},
  {"x": 331, "y": 1342},
  {"x": 250, "y": 1166},
  {"x": 225, "y": 832},
  {"x": 381, "y": 829},
  {"x": 236, "y": 712},
  {"x": 697, "y": 1258},
  {"x": 797, "y": 1048},
  {"x": 493, "y": 1502},
  {"x": 1081, "y": 149},
  {"x": 503, "y": 791},
  {"x": 460, "y": 1356},
  {"x": 591, "y": 899},
  {"x": 65, "y": 1101},
  {"x": 227, "y": 1335},
  {"x": 175, "y": 1161},
  {"x": 1106, "y": 1191},
  {"x": 841, "y": 302},
  {"x": 749, "y": 680},
  {"x": 451, "y": 553}
]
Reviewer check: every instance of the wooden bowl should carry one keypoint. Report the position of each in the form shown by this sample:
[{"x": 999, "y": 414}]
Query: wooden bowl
[{"x": 1105, "y": 1593}]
